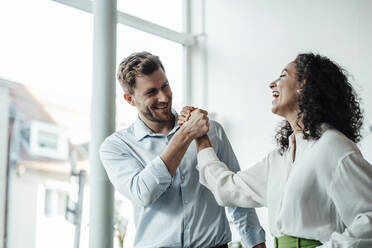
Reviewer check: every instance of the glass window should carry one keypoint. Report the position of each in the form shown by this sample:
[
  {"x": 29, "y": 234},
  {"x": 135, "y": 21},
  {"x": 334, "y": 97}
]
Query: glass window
[
  {"x": 167, "y": 13},
  {"x": 55, "y": 203},
  {"x": 47, "y": 47}
]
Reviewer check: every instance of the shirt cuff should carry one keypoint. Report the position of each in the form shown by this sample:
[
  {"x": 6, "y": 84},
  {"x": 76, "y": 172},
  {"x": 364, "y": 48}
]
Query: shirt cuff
[
  {"x": 159, "y": 170},
  {"x": 206, "y": 156},
  {"x": 253, "y": 237}
]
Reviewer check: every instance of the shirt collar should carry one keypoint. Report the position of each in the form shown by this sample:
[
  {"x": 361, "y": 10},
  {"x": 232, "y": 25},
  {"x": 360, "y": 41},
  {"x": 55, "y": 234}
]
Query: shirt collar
[
  {"x": 325, "y": 126},
  {"x": 141, "y": 130},
  {"x": 299, "y": 136}
]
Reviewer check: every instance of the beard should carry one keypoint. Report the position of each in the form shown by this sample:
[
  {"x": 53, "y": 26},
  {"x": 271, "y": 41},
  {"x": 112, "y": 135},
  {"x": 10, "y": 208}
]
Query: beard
[{"x": 149, "y": 115}]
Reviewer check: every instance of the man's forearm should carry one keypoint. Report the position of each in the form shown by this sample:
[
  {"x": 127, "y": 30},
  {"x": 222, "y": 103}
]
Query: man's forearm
[
  {"x": 196, "y": 126},
  {"x": 175, "y": 150},
  {"x": 203, "y": 142}
]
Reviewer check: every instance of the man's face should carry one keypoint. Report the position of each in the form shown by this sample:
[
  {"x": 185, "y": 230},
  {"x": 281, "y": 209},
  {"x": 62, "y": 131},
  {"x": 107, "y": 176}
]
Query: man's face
[{"x": 153, "y": 97}]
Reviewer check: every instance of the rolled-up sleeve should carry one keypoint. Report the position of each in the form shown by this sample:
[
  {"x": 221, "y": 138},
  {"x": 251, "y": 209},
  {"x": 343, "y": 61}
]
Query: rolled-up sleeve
[{"x": 141, "y": 184}]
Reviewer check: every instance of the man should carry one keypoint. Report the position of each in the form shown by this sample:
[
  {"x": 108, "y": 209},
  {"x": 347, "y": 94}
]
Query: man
[{"x": 153, "y": 163}]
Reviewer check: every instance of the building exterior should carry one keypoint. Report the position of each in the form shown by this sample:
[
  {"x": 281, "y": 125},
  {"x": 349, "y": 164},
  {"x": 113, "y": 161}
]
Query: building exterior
[{"x": 37, "y": 173}]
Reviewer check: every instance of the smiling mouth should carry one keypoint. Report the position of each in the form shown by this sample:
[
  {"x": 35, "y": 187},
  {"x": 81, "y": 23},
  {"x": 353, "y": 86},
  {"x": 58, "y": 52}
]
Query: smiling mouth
[
  {"x": 275, "y": 94},
  {"x": 163, "y": 106}
]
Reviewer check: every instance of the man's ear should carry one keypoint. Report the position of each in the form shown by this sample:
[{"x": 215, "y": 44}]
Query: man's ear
[{"x": 130, "y": 99}]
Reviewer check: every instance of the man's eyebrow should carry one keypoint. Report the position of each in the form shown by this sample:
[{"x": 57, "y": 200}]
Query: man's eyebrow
[
  {"x": 284, "y": 70},
  {"x": 150, "y": 90}
]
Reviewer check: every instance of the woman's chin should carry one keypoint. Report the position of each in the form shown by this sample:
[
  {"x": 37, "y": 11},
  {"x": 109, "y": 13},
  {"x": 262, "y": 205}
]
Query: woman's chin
[{"x": 274, "y": 109}]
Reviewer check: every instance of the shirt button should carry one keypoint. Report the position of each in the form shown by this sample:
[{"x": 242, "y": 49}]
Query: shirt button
[{"x": 183, "y": 177}]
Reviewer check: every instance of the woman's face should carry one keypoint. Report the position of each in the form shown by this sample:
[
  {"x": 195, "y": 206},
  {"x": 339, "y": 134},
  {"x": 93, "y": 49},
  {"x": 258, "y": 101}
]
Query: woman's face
[{"x": 286, "y": 93}]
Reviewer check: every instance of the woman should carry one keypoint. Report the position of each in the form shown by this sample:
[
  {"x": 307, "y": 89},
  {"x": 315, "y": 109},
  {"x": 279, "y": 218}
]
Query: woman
[{"x": 316, "y": 185}]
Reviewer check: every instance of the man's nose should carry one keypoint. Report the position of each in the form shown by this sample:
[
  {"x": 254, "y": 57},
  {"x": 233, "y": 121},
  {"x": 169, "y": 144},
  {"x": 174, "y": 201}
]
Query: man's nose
[{"x": 162, "y": 96}]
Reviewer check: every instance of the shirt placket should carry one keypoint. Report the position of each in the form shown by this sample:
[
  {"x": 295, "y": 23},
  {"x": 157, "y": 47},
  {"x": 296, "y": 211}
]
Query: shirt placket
[
  {"x": 186, "y": 204},
  {"x": 186, "y": 239},
  {"x": 289, "y": 164}
]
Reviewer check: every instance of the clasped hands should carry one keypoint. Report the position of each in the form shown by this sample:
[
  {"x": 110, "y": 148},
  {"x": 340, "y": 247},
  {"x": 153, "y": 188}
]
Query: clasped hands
[{"x": 195, "y": 121}]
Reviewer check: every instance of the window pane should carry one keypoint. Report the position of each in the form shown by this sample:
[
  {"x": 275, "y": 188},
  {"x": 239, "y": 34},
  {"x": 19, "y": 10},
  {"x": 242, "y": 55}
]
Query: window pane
[
  {"x": 47, "y": 48},
  {"x": 167, "y": 13}
]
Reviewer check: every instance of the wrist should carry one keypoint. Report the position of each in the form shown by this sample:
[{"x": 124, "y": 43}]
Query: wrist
[
  {"x": 203, "y": 142},
  {"x": 184, "y": 135}
]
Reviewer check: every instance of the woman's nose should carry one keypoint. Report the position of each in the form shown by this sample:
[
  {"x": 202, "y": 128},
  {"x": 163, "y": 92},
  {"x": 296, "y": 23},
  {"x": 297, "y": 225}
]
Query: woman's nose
[{"x": 273, "y": 84}]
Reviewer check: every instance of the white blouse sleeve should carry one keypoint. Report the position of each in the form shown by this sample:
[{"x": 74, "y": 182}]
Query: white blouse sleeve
[
  {"x": 243, "y": 189},
  {"x": 351, "y": 193}
]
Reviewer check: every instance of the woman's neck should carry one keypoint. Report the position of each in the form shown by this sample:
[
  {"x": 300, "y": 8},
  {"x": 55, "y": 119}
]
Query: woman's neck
[{"x": 296, "y": 123}]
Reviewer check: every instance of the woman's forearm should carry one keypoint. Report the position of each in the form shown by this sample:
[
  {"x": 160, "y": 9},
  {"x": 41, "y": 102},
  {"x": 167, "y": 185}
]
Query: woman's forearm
[{"x": 203, "y": 142}]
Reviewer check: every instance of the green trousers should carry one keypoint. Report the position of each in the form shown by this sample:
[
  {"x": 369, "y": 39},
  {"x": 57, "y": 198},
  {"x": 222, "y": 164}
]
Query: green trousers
[{"x": 293, "y": 242}]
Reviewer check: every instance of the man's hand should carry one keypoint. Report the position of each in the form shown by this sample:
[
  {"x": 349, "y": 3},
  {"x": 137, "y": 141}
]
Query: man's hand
[
  {"x": 197, "y": 124},
  {"x": 185, "y": 114}
]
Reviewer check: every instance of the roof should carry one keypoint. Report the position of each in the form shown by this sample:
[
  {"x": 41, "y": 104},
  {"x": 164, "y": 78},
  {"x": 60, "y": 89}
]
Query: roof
[
  {"x": 31, "y": 108},
  {"x": 26, "y": 103}
]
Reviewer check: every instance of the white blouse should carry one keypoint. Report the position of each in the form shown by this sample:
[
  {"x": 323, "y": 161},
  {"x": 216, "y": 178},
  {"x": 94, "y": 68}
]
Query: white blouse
[{"x": 325, "y": 194}]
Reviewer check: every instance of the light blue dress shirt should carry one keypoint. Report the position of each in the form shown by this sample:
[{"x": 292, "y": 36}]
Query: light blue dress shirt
[{"x": 178, "y": 211}]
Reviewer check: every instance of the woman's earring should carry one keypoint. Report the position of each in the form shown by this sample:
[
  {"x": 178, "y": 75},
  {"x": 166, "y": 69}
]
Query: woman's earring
[{"x": 298, "y": 91}]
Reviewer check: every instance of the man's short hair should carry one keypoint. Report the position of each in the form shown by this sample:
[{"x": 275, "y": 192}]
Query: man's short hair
[{"x": 137, "y": 65}]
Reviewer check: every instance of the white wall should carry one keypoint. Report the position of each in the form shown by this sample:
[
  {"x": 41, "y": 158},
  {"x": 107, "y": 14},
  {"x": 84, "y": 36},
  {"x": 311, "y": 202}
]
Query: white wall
[
  {"x": 249, "y": 42},
  {"x": 22, "y": 208},
  {"x": 27, "y": 224}
]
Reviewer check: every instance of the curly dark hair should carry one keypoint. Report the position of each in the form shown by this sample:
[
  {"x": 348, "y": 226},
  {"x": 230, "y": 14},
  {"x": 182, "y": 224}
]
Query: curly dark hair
[
  {"x": 136, "y": 65},
  {"x": 326, "y": 97}
]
